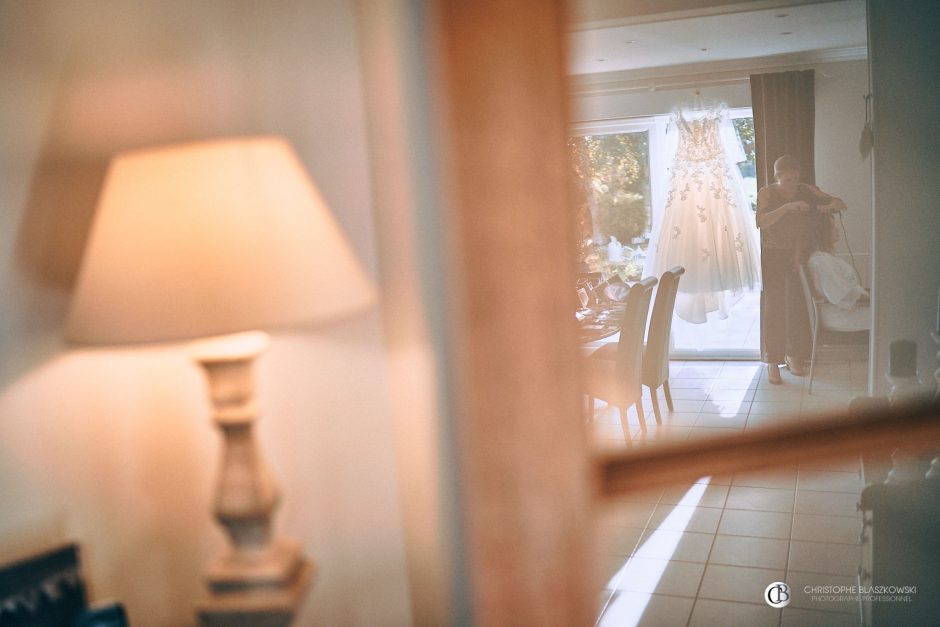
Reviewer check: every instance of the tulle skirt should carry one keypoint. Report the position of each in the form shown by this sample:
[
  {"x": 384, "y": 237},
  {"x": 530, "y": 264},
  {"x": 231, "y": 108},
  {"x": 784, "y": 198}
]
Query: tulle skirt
[{"x": 708, "y": 228}]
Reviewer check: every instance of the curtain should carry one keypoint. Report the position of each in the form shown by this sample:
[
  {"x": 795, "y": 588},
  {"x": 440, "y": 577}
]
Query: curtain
[
  {"x": 784, "y": 109},
  {"x": 784, "y": 106}
]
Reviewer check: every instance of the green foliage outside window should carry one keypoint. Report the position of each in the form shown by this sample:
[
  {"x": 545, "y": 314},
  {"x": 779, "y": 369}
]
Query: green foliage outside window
[
  {"x": 745, "y": 130},
  {"x": 613, "y": 172}
]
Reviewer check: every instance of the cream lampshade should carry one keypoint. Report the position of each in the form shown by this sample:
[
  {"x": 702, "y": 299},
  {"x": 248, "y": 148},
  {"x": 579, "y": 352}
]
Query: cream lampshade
[{"x": 210, "y": 239}]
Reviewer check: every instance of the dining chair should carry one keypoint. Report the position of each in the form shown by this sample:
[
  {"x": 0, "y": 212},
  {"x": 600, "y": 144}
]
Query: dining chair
[
  {"x": 656, "y": 352},
  {"x": 820, "y": 333},
  {"x": 613, "y": 372}
]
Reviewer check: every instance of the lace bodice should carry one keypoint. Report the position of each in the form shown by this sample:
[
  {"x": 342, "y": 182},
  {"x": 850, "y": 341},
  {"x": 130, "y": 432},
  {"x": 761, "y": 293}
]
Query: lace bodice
[{"x": 698, "y": 138}]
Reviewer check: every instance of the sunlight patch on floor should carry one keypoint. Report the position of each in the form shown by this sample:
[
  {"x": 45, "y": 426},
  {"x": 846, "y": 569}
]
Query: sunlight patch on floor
[{"x": 640, "y": 573}]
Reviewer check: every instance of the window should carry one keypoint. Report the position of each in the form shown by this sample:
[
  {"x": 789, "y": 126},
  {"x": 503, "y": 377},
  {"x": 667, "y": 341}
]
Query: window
[
  {"x": 623, "y": 169},
  {"x": 623, "y": 166},
  {"x": 743, "y": 122},
  {"x": 612, "y": 165}
]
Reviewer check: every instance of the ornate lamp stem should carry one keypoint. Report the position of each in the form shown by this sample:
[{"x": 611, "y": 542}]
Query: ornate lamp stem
[{"x": 259, "y": 580}]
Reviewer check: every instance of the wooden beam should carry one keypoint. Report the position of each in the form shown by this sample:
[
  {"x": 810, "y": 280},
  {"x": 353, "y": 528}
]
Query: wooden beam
[
  {"x": 522, "y": 454},
  {"x": 874, "y": 427}
]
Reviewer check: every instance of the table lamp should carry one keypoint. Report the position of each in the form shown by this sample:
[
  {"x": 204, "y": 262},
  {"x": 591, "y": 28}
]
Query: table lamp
[{"x": 221, "y": 240}]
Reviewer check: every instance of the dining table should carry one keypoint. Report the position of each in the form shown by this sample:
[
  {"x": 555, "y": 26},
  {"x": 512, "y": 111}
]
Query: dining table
[{"x": 599, "y": 321}]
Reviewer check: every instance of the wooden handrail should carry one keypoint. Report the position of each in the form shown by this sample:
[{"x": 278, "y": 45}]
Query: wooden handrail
[{"x": 871, "y": 425}]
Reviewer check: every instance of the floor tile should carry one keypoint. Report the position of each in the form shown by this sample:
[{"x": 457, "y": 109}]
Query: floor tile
[
  {"x": 778, "y": 394},
  {"x": 845, "y": 464},
  {"x": 701, "y": 370},
  {"x": 734, "y": 384},
  {"x": 711, "y": 613},
  {"x": 803, "y": 596},
  {"x": 685, "y": 405},
  {"x": 815, "y": 412},
  {"x": 828, "y": 400},
  {"x": 679, "y": 383},
  {"x": 726, "y": 407},
  {"x": 746, "y": 551},
  {"x": 736, "y": 421},
  {"x": 731, "y": 394},
  {"x": 829, "y": 481},
  {"x": 751, "y": 512},
  {"x": 826, "y": 503},
  {"x": 797, "y": 617},
  {"x": 737, "y": 583},
  {"x": 784, "y": 479},
  {"x": 841, "y": 529},
  {"x": 762, "y": 421},
  {"x": 645, "y": 610},
  {"x": 762, "y": 499},
  {"x": 713, "y": 432},
  {"x": 757, "y": 524},
  {"x": 824, "y": 557},
  {"x": 663, "y": 576},
  {"x": 662, "y": 433},
  {"x": 685, "y": 518},
  {"x": 789, "y": 381},
  {"x": 782, "y": 408},
  {"x": 684, "y": 546},
  {"x": 689, "y": 394},
  {"x": 713, "y": 496},
  {"x": 679, "y": 418},
  {"x": 742, "y": 369},
  {"x": 837, "y": 396},
  {"x": 824, "y": 382},
  {"x": 716, "y": 480}
]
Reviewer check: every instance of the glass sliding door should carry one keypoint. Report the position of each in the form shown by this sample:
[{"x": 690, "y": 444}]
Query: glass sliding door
[
  {"x": 738, "y": 335},
  {"x": 623, "y": 167}
]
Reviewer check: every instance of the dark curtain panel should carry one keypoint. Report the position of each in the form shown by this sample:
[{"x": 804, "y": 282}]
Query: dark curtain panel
[{"x": 784, "y": 105}]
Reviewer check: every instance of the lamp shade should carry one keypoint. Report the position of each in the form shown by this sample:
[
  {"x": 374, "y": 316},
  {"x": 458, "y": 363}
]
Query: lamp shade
[{"x": 212, "y": 238}]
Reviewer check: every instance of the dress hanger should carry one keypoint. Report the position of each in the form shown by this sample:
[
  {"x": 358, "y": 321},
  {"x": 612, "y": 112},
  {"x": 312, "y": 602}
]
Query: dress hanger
[{"x": 699, "y": 109}]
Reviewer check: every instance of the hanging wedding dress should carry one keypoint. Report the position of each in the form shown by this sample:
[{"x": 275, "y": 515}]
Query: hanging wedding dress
[{"x": 707, "y": 225}]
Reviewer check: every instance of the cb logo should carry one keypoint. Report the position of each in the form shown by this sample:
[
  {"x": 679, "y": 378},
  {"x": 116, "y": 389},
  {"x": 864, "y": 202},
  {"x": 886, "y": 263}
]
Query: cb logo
[{"x": 777, "y": 594}]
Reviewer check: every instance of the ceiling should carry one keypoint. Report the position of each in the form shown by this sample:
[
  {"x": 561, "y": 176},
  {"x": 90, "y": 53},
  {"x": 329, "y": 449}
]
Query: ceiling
[{"x": 634, "y": 43}]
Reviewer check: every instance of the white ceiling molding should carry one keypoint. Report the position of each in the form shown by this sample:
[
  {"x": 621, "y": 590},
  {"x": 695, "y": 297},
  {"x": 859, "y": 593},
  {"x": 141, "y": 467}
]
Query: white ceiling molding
[
  {"x": 701, "y": 74},
  {"x": 594, "y": 14}
]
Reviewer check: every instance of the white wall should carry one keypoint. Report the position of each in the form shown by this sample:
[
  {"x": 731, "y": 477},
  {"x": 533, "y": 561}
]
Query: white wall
[
  {"x": 115, "y": 449},
  {"x": 840, "y": 168},
  {"x": 904, "y": 49}
]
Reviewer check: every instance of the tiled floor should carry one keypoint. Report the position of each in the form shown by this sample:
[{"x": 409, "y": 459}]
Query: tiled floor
[
  {"x": 741, "y": 329},
  {"x": 703, "y": 553}
]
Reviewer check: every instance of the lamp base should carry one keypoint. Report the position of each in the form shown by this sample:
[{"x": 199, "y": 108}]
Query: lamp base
[
  {"x": 273, "y": 567},
  {"x": 256, "y": 601}
]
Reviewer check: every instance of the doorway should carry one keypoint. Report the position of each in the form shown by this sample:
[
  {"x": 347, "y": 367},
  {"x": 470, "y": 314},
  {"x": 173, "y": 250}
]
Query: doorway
[{"x": 624, "y": 167}]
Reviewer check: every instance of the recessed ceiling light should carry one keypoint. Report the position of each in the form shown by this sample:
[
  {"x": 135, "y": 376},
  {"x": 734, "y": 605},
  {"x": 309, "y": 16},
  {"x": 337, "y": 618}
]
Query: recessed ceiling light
[
  {"x": 787, "y": 33},
  {"x": 782, "y": 15}
]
